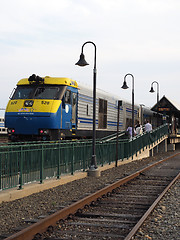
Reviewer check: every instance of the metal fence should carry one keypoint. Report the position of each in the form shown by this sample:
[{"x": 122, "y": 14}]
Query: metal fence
[{"x": 23, "y": 163}]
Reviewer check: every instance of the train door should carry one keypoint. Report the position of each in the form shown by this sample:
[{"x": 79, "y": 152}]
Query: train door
[
  {"x": 67, "y": 110},
  {"x": 74, "y": 107}
]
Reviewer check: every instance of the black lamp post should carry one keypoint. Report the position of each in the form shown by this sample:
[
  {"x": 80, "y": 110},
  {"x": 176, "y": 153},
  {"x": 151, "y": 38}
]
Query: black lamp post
[
  {"x": 152, "y": 91},
  {"x": 125, "y": 87},
  {"x": 82, "y": 62},
  {"x": 119, "y": 104}
]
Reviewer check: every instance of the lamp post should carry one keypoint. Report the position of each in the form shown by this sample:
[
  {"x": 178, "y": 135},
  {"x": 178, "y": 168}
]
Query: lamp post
[
  {"x": 125, "y": 87},
  {"x": 82, "y": 62},
  {"x": 119, "y": 104},
  {"x": 152, "y": 91}
]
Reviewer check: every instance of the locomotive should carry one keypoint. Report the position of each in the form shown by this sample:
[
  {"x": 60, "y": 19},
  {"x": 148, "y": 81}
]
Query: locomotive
[{"x": 52, "y": 108}]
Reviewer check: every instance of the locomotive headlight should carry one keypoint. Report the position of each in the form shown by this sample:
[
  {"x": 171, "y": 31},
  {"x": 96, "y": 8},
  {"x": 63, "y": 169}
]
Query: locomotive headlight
[
  {"x": 44, "y": 131},
  {"x": 11, "y": 131},
  {"x": 28, "y": 103}
]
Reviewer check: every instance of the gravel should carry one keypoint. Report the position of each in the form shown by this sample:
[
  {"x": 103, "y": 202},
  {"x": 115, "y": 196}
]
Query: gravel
[
  {"x": 164, "y": 222},
  {"x": 13, "y": 214}
]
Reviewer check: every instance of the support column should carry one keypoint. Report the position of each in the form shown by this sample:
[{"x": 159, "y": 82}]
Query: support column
[
  {"x": 163, "y": 146},
  {"x": 151, "y": 152},
  {"x": 171, "y": 147}
]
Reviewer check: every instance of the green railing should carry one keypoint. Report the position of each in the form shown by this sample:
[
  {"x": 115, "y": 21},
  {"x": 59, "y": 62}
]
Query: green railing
[
  {"x": 23, "y": 163},
  {"x": 140, "y": 142}
]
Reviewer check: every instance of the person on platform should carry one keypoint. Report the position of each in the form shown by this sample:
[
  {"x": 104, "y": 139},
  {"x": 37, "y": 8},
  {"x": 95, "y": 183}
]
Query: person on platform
[
  {"x": 129, "y": 132},
  {"x": 138, "y": 129},
  {"x": 148, "y": 127}
]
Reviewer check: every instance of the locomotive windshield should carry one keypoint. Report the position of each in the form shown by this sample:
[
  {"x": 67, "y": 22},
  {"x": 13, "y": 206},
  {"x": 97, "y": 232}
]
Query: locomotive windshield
[
  {"x": 39, "y": 92},
  {"x": 23, "y": 92},
  {"x": 46, "y": 92}
]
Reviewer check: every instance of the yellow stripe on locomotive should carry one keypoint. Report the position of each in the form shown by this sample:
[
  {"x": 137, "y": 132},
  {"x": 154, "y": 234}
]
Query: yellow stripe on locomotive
[{"x": 39, "y": 105}]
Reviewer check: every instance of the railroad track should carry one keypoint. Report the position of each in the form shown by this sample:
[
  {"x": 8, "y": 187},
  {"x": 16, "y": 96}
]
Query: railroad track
[
  {"x": 114, "y": 212},
  {"x": 3, "y": 139}
]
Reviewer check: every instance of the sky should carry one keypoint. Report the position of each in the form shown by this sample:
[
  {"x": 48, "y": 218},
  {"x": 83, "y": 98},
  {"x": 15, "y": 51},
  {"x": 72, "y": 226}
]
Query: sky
[{"x": 140, "y": 37}]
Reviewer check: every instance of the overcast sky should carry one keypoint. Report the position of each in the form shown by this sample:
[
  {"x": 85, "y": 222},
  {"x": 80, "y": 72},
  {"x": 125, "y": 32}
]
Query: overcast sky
[{"x": 140, "y": 37}]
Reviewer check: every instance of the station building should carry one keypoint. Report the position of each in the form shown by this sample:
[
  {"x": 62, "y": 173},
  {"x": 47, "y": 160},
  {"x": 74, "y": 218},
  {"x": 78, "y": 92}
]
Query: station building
[{"x": 171, "y": 113}]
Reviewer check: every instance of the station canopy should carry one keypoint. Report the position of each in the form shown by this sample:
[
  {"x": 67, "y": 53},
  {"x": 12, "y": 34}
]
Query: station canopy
[{"x": 167, "y": 106}]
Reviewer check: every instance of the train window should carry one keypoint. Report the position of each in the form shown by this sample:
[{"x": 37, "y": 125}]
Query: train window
[
  {"x": 23, "y": 92},
  {"x": 68, "y": 97},
  {"x": 63, "y": 102},
  {"x": 39, "y": 92},
  {"x": 74, "y": 98},
  {"x": 74, "y": 101},
  {"x": 88, "y": 110},
  {"x": 102, "y": 123},
  {"x": 102, "y": 106},
  {"x": 46, "y": 93}
]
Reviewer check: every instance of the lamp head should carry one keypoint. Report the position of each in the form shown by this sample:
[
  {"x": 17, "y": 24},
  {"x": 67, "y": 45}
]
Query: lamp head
[
  {"x": 82, "y": 62},
  {"x": 124, "y": 86},
  {"x": 152, "y": 90}
]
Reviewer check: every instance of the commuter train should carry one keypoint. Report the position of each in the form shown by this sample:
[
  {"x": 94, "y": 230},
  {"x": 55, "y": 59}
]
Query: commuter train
[
  {"x": 3, "y": 130},
  {"x": 52, "y": 108}
]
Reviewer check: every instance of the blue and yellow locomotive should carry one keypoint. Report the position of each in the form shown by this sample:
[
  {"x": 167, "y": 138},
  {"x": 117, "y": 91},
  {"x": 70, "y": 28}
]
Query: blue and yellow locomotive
[{"x": 40, "y": 107}]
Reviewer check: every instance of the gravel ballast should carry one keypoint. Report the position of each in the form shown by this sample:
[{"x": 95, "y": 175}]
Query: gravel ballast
[
  {"x": 13, "y": 214},
  {"x": 164, "y": 222}
]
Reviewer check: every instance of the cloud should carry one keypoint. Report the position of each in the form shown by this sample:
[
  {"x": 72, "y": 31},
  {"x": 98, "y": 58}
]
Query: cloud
[{"x": 45, "y": 37}]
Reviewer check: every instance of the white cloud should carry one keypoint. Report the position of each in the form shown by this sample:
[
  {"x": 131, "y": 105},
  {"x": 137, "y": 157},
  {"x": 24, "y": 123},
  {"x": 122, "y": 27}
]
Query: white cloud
[{"x": 137, "y": 36}]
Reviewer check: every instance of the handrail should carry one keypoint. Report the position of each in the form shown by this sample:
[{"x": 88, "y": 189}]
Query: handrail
[{"x": 112, "y": 136}]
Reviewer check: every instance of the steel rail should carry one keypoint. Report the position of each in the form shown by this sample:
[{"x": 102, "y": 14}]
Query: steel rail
[
  {"x": 151, "y": 208},
  {"x": 41, "y": 226}
]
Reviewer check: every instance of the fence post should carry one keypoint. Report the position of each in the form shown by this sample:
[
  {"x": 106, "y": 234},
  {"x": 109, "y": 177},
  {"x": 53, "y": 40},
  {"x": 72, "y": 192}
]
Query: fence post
[
  {"x": 20, "y": 168},
  {"x": 42, "y": 164},
  {"x": 122, "y": 145},
  {"x": 72, "y": 160},
  {"x": 101, "y": 146},
  {"x": 0, "y": 174},
  {"x": 136, "y": 146},
  {"x": 84, "y": 145},
  {"x": 58, "y": 163}
]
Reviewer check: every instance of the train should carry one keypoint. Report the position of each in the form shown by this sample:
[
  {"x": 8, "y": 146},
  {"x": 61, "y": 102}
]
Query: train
[
  {"x": 3, "y": 130},
  {"x": 55, "y": 108}
]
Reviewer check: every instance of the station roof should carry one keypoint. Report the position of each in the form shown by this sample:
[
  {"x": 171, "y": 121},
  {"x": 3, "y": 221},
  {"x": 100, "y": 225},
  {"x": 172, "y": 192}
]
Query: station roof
[{"x": 168, "y": 106}]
